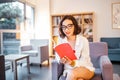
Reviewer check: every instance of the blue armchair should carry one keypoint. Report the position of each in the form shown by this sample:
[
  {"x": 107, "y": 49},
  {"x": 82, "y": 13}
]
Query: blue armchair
[{"x": 99, "y": 58}]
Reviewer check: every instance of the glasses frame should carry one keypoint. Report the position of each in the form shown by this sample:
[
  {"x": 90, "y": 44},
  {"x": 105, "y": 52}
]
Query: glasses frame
[{"x": 69, "y": 26}]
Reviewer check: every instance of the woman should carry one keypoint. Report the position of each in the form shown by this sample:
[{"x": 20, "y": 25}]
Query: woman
[{"x": 81, "y": 68}]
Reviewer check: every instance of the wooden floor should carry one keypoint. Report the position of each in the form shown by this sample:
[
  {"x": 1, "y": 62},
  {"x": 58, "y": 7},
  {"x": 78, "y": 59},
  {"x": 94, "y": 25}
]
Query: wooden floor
[
  {"x": 116, "y": 77},
  {"x": 116, "y": 70},
  {"x": 43, "y": 73},
  {"x": 37, "y": 73}
]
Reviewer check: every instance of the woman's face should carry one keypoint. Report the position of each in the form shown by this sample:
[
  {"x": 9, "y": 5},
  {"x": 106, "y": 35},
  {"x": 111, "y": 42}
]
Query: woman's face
[{"x": 68, "y": 27}]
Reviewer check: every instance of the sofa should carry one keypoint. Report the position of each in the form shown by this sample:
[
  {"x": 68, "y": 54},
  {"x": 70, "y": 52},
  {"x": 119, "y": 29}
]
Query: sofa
[
  {"x": 113, "y": 47},
  {"x": 99, "y": 58}
]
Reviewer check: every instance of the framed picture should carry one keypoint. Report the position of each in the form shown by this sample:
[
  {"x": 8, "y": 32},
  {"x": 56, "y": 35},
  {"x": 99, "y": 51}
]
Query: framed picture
[{"x": 116, "y": 15}]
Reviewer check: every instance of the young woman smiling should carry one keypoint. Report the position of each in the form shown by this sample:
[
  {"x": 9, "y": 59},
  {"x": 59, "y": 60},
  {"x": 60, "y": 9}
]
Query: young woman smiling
[{"x": 81, "y": 68}]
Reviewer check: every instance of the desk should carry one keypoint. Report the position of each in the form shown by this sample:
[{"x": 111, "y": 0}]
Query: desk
[{"x": 14, "y": 58}]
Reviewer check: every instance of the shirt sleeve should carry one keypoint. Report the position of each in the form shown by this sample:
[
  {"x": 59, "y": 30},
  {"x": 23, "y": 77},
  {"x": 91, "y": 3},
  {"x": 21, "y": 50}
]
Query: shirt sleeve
[{"x": 84, "y": 59}]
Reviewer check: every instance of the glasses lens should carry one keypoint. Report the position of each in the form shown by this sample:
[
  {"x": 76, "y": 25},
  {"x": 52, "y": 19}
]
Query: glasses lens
[
  {"x": 69, "y": 26},
  {"x": 64, "y": 27}
]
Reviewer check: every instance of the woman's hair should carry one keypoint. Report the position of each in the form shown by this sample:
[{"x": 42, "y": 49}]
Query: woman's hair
[{"x": 77, "y": 28}]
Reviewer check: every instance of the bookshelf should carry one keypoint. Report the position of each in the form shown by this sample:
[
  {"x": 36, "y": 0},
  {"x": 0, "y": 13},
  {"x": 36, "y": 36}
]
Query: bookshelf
[{"x": 85, "y": 21}]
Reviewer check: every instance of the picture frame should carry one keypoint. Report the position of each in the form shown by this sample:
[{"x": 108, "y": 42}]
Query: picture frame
[{"x": 116, "y": 15}]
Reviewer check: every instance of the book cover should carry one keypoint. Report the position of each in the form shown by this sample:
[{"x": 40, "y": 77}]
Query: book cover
[{"x": 65, "y": 50}]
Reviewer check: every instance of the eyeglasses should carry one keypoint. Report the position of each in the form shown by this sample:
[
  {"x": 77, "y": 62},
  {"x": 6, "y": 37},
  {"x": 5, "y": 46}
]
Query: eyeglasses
[{"x": 69, "y": 26}]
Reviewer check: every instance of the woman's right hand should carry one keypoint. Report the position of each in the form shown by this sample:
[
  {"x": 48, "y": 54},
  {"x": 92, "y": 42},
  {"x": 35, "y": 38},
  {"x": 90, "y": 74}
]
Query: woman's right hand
[
  {"x": 66, "y": 60},
  {"x": 63, "y": 60}
]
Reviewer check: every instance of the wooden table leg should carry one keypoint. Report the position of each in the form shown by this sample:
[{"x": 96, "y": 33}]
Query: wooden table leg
[
  {"x": 12, "y": 66},
  {"x": 15, "y": 70},
  {"x": 28, "y": 64}
]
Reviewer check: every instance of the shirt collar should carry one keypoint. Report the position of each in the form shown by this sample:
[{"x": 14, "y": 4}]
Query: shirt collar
[{"x": 77, "y": 40}]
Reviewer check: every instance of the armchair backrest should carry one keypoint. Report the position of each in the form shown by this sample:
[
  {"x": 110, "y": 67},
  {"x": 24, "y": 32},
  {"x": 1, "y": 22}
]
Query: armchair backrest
[
  {"x": 38, "y": 42},
  {"x": 97, "y": 49},
  {"x": 26, "y": 48},
  {"x": 113, "y": 42}
]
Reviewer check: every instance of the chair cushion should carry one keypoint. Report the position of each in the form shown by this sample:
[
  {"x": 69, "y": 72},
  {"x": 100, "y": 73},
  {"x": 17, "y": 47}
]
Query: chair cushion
[{"x": 32, "y": 53}]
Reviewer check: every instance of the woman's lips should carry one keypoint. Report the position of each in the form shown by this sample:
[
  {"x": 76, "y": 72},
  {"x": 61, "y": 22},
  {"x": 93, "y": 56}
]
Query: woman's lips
[{"x": 67, "y": 32}]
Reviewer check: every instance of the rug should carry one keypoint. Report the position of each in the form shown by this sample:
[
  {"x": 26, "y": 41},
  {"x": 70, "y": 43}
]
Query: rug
[{"x": 116, "y": 76}]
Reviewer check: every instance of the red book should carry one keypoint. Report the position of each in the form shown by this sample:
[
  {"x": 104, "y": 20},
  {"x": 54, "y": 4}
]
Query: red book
[{"x": 65, "y": 50}]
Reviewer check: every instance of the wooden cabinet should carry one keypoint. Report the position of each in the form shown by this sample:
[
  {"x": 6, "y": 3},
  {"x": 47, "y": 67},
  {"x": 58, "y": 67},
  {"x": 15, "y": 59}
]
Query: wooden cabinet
[{"x": 85, "y": 21}]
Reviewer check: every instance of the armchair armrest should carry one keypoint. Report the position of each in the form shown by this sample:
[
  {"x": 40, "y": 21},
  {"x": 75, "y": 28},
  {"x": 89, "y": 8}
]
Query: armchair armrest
[
  {"x": 57, "y": 70},
  {"x": 106, "y": 68},
  {"x": 44, "y": 53}
]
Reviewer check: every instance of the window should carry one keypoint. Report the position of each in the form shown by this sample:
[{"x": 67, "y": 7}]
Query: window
[{"x": 16, "y": 22}]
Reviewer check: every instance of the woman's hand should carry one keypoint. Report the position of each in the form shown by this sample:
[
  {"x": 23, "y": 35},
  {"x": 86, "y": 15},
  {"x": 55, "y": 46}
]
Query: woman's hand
[
  {"x": 63, "y": 60},
  {"x": 66, "y": 60}
]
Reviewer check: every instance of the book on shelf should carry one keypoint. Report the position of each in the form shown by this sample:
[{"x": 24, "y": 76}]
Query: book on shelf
[
  {"x": 78, "y": 19},
  {"x": 65, "y": 50},
  {"x": 55, "y": 31},
  {"x": 56, "y": 20}
]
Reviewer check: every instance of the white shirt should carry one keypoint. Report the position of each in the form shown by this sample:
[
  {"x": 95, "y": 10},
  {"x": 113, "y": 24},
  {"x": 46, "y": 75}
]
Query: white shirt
[{"x": 81, "y": 52}]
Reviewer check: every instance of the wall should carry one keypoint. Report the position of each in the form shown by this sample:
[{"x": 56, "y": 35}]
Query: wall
[
  {"x": 102, "y": 9},
  {"x": 42, "y": 19}
]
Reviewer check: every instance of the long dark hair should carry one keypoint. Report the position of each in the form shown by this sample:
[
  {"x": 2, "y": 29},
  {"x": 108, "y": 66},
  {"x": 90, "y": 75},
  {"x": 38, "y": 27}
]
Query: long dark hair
[{"x": 77, "y": 28}]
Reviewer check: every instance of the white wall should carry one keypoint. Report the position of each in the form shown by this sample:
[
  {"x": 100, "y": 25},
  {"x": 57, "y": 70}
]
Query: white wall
[
  {"x": 42, "y": 19},
  {"x": 102, "y": 9}
]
